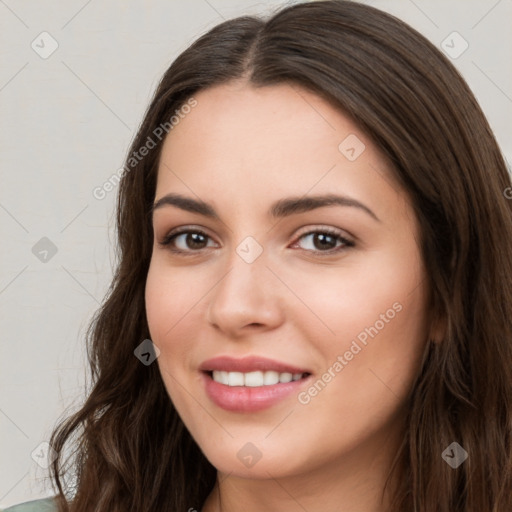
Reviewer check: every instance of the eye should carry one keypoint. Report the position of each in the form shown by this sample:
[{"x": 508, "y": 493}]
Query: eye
[
  {"x": 327, "y": 241},
  {"x": 186, "y": 241}
]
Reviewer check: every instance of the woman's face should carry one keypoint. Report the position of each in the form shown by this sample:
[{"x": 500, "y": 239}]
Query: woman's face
[{"x": 278, "y": 282}]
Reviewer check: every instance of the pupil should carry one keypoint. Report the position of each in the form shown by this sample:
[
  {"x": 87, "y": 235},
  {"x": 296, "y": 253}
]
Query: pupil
[
  {"x": 194, "y": 239},
  {"x": 331, "y": 242}
]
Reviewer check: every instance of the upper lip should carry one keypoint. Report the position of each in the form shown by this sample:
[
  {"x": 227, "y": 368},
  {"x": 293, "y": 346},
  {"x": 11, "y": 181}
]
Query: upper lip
[{"x": 248, "y": 364}]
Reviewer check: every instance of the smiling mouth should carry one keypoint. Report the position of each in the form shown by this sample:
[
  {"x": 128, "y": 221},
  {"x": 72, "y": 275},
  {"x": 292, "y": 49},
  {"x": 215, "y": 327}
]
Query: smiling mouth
[{"x": 255, "y": 378}]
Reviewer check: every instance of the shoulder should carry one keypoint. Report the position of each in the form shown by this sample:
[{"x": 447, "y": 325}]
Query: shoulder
[{"x": 44, "y": 505}]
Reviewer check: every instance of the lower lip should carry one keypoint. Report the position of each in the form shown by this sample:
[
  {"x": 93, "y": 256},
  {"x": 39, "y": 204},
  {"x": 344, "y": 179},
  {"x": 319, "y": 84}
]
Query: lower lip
[{"x": 249, "y": 399}]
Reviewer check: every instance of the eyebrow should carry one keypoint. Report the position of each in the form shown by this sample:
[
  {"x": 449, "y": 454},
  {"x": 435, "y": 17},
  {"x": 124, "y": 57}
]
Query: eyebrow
[{"x": 281, "y": 208}]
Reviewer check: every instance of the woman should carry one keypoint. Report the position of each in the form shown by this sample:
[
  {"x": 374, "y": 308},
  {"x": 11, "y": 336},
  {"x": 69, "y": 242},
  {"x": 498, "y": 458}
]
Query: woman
[{"x": 311, "y": 308}]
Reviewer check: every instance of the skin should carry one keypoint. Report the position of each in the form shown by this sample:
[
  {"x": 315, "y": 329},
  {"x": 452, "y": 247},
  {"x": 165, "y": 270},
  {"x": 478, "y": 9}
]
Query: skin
[{"x": 240, "y": 149}]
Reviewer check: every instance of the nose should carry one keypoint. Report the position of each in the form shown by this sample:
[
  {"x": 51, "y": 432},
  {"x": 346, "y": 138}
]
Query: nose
[{"x": 245, "y": 299}]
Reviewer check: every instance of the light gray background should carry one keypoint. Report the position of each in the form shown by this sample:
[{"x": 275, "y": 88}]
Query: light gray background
[{"x": 66, "y": 124}]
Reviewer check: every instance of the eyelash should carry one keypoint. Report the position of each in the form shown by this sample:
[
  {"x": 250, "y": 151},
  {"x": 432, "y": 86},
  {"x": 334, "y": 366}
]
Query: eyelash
[{"x": 168, "y": 239}]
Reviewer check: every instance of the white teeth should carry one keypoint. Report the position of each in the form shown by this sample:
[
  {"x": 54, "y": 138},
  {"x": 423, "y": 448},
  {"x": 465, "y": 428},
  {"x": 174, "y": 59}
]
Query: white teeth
[
  {"x": 285, "y": 377},
  {"x": 253, "y": 379},
  {"x": 270, "y": 378},
  {"x": 235, "y": 379}
]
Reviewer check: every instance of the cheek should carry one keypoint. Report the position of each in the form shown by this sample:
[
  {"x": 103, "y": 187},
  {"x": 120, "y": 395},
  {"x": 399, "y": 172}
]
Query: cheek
[
  {"x": 170, "y": 295},
  {"x": 168, "y": 304},
  {"x": 176, "y": 302},
  {"x": 372, "y": 360},
  {"x": 165, "y": 305},
  {"x": 374, "y": 317},
  {"x": 349, "y": 298}
]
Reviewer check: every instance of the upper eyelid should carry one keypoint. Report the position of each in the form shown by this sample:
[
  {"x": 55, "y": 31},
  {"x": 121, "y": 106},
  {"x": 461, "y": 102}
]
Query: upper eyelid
[
  {"x": 187, "y": 229},
  {"x": 302, "y": 231}
]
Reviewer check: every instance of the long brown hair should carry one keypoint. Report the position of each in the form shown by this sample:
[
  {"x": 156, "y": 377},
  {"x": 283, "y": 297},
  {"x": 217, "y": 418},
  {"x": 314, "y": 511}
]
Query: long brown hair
[{"x": 129, "y": 449}]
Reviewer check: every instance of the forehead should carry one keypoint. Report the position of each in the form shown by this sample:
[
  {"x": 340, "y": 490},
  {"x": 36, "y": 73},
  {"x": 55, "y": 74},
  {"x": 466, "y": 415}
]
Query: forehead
[
  {"x": 246, "y": 117},
  {"x": 253, "y": 144}
]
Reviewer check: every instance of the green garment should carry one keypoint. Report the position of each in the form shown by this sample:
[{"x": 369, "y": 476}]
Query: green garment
[{"x": 44, "y": 505}]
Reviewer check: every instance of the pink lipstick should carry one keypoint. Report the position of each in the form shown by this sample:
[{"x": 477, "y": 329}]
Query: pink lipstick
[{"x": 252, "y": 383}]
